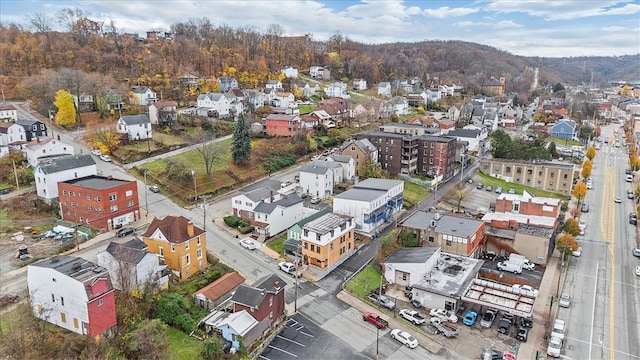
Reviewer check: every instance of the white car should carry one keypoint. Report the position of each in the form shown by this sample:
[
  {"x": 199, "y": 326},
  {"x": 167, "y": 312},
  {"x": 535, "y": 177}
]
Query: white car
[
  {"x": 528, "y": 265},
  {"x": 248, "y": 244},
  {"x": 565, "y": 300},
  {"x": 413, "y": 316},
  {"x": 638, "y": 270},
  {"x": 315, "y": 200},
  {"x": 526, "y": 288},
  {"x": 577, "y": 252},
  {"x": 106, "y": 158},
  {"x": 555, "y": 345},
  {"x": 444, "y": 315},
  {"x": 289, "y": 268},
  {"x": 582, "y": 224},
  {"x": 96, "y": 152},
  {"x": 405, "y": 338}
]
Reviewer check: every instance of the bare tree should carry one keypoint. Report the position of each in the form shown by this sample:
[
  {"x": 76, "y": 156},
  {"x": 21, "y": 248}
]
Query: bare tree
[
  {"x": 460, "y": 195},
  {"x": 40, "y": 22},
  {"x": 207, "y": 149}
]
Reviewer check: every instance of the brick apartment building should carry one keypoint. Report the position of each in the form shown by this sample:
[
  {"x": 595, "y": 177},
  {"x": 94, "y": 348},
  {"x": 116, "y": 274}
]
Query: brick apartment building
[
  {"x": 409, "y": 154},
  {"x": 99, "y": 202},
  {"x": 545, "y": 175}
]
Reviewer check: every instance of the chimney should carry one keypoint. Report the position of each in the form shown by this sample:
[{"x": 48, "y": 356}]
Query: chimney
[
  {"x": 276, "y": 285},
  {"x": 37, "y": 140},
  {"x": 270, "y": 196},
  {"x": 190, "y": 230}
]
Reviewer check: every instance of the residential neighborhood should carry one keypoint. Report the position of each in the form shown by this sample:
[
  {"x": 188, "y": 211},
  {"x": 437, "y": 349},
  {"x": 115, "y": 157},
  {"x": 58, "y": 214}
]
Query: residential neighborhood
[{"x": 311, "y": 199}]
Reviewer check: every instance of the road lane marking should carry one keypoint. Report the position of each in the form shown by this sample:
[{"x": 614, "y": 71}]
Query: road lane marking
[
  {"x": 593, "y": 313},
  {"x": 608, "y": 233}
]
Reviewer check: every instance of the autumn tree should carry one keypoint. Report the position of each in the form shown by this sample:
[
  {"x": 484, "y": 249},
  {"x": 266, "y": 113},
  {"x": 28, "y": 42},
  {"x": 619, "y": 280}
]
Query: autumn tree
[
  {"x": 106, "y": 139},
  {"x": 571, "y": 227},
  {"x": 459, "y": 195},
  {"x": 586, "y": 168},
  {"x": 634, "y": 162},
  {"x": 566, "y": 244},
  {"x": 579, "y": 191},
  {"x": 591, "y": 153},
  {"x": 66, "y": 114},
  {"x": 626, "y": 91},
  {"x": 212, "y": 349},
  {"x": 241, "y": 143},
  {"x": 207, "y": 150},
  {"x": 372, "y": 169},
  {"x": 148, "y": 340}
]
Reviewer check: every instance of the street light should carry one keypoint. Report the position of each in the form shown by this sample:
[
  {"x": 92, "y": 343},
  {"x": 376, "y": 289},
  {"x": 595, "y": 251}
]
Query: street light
[
  {"x": 195, "y": 188},
  {"x": 146, "y": 198}
]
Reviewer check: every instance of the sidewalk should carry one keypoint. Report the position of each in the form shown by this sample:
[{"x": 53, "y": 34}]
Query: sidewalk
[{"x": 544, "y": 311}]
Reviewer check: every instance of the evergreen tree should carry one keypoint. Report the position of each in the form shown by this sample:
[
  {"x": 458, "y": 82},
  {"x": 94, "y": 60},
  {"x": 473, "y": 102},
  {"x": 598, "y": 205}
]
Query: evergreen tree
[{"x": 241, "y": 143}]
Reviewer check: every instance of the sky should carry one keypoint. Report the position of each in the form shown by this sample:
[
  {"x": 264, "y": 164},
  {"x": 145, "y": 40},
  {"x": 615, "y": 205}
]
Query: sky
[{"x": 547, "y": 28}]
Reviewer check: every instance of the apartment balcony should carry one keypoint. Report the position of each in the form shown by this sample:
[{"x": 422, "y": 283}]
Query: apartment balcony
[{"x": 411, "y": 161}]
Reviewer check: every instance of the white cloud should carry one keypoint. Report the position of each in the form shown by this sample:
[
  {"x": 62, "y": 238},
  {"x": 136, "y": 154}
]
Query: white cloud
[
  {"x": 613, "y": 28},
  {"x": 504, "y": 24},
  {"x": 564, "y": 10},
  {"x": 447, "y": 12}
]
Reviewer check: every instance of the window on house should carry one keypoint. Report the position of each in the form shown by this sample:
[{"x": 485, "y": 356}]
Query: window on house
[
  {"x": 173, "y": 248},
  {"x": 161, "y": 251},
  {"x": 100, "y": 302},
  {"x": 270, "y": 301},
  {"x": 199, "y": 253},
  {"x": 113, "y": 197},
  {"x": 188, "y": 257},
  {"x": 53, "y": 298},
  {"x": 449, "y": 243},
  {"x": 62, "y": 300},
  {"x": 98, "y": 198},
  {"x": 114, "y": 208},
  {"x": 198, "y": 239},
  {"x": 313, "y": 247},
  {"x": 331, "y": 246},
  {"x": 186, "y": 245},
  {"x": 53, "y": 279},
  {"x": 75, "y": 323},
  {"x": 431, "y": 239},
  {"x": 89, "y": 197},
  {"x": 130, "y": 203},
  {"x": 63, "y": 317},
  {"x": 128, "y": 193},
  {"x": 317, "y": 249}
]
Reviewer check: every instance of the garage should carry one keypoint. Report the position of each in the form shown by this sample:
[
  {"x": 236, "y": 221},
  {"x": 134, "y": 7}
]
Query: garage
[{"x": 402, "y": 278}]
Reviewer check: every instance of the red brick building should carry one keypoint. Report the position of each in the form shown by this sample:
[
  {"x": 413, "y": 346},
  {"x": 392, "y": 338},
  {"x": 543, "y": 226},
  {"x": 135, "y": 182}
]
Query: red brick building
[
  {"x": 264, "y": 299},
  {"x": 99, "y": 202},
  {"x": 283, "y": 125}
]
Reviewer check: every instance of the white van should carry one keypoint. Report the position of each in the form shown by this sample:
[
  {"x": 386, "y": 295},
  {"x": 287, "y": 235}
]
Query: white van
[
  {"x": 558, "y": 329},
  {"x": 629, "y": 178},
  {"x": 510, "y": 267}
]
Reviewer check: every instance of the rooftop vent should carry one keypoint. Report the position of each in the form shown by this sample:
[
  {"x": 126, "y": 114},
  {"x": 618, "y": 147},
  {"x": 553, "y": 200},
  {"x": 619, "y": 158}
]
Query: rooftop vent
[
  {"x": 452, "y": 270},
  {"x": 76, "y": 265}
]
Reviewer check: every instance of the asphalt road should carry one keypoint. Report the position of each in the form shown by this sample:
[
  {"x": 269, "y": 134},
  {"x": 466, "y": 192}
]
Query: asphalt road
[{"x": 602, "y": 320}]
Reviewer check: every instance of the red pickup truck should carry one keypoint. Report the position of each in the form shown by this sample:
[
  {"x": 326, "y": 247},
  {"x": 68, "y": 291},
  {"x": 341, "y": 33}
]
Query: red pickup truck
[{"x": 375, "y": 319}]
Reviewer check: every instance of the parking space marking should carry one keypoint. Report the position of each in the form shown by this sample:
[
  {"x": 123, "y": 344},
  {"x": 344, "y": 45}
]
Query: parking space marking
[
  {"x": 291, "y": 341},
  {"x": 284, "y": 351},
  {"x": 263, "y": 357},
  {"x": 304, "y": 333}
]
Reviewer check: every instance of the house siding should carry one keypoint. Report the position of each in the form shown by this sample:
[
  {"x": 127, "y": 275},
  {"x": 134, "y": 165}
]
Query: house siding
[{"x": 177, "y": 260}]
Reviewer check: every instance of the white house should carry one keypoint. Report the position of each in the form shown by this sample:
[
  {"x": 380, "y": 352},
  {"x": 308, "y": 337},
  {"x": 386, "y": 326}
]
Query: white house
[
  {"x": 214, "y": 105},
  {"x": 255, "y": 99},
  {"x": 49, "y": 172},
  {"x": 142, "y": 95},
  {"x": 243, "y": 205},
  {"x": 337, "y": 89},
  {"x": 472, "y": 136},
  {"x": 74, "y": 294},
  {"x": 274, "y": 84},
  {"x": 371, "y": 202},
  {"x": 132, "y": 267},
  {"x": 433, "y": 94},
  {"x": 319, "y": 177},
  {"x": 44, "y": 147},
  {"x": 136, "y": 127},
  {"x": 290, "y": 72},
  {"x": 270, "y": 218},
  {"x": 226, "y": 83},
  {"x": 11, "y": 132},
  {"x": 316, "y": 72},
  {"x": 348, "y": 165},
  {"x": 384, "y": 88},
  {"x": 399, "y": 105},
  {"x": 359, "y": 84},
  {"x": 8, "y": 112},
  {"x": 236, "y": 106},
  {"x": 283, "y": 99}
]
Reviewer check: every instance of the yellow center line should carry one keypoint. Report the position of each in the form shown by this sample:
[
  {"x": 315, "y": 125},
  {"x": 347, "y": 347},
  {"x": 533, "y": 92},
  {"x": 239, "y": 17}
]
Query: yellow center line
[{"x": 608, "y": 233}]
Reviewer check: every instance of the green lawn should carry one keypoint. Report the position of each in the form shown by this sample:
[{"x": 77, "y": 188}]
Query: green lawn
[
  {"x": 413, "y": 193},
  {"x": 495, "y": 182},
  {"x": 362, "y": 284},
  {"x": 182, "y": 346},
  {"x": 564, "y": 143},
  {"x": 277, "y": 244},
  {"x": 305, "y": 109}
]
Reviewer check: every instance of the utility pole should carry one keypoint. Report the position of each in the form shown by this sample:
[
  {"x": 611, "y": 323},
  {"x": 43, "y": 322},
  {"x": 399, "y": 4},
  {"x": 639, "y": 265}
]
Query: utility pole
[
  {"x": 146, "y": 198},
  {"x": 204, "y": 208},
  {"x": 15, "y": 172},
  {"x": 195, "y": 187}
]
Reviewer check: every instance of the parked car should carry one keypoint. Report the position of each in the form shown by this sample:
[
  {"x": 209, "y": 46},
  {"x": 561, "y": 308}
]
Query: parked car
[
  {"x": 5, "y": 191},
  {"x": 499, "y": 190},
  {"x": 416, "y": 304},
  {"x": 512, "y": 190},
  {"x": 285, "y": 184},
  {"x": 375, "y": 319},
  {"x": 555, "y": 345},
  {"x": 633, "y": 218},
  {"x": 404, "y": 338},
  {"x": 488, "y": 318},
  {"x": 249, "y": 244},
  {"x": 577, "y": 252},
  {"x": 638, "y": 270},
  {"x": 413, "y": 316},
  {"x": 559, "y": 329},
  {"x": 469, "y": 318},
  {"x": 565, "y": 300},
  {"x": 582, "y": 224},
  {"x": 636, "y": 252},
  {"x": 617, "y": 199},
  {"x": 630, "y": 194},
  {"x": 96, "y": 152},
  {"x": 491, "y": 355},
  {"x": 444, "y": 315},
  {"x": 154, "y": 189},
  {"x": 479, "y": 186},
  {"x": 489, "y": 188},
  {"x": 503, "y": 326},
  {"x": 528, "y": 265},
  {"x": 289, "y": 268},
  {"x": 584, "y": 207},
  {"x": 526, "y": 288},
  {"x": 125, "y": 231},
  {"x": 382, "y": 301},
  {"x": 523, "y": 334},
  {"x": 105, "y": 158},
  {"x": 315, "y": 200}
]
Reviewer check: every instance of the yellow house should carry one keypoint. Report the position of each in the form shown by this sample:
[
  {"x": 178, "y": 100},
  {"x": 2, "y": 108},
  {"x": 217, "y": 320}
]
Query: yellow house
[
  {"x": 181, "y": 245},
  {"x": 327, "y": 242}
]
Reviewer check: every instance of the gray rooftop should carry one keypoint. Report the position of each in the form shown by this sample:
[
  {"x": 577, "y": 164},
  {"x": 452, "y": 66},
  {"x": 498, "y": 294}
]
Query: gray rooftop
[
  {"x": 313, "y": 168},
  {"x": 248, "y": 296},
  {"x": 341, "y": 158},
  {"x": 377, "y": 184},
  {"x": 97, "y": 182},
  {"x": 285, "y": 201},
  {"x": 326, "y": 223},
  {"x": 466, "y": 133},
  {"x": 72, "y": 266},
  {"x": 501, "y": 233},
  {"x": 124, "y": 253},
  {"x": 452, "y": 275},
  {"x": 445, "y": 224},
  {"x": 360, "y": 194},
  {"x": 261, "y": 193},
  {"x": 535, "y": 230},
  {"x": 136, "y": 119},
  {"x": 411, "y": 255},
  {"x": 62, "y": 163}
]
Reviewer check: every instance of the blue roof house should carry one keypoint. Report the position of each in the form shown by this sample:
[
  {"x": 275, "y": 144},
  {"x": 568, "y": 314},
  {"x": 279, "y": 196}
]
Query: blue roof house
[{"x": 565, "y": 129}]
